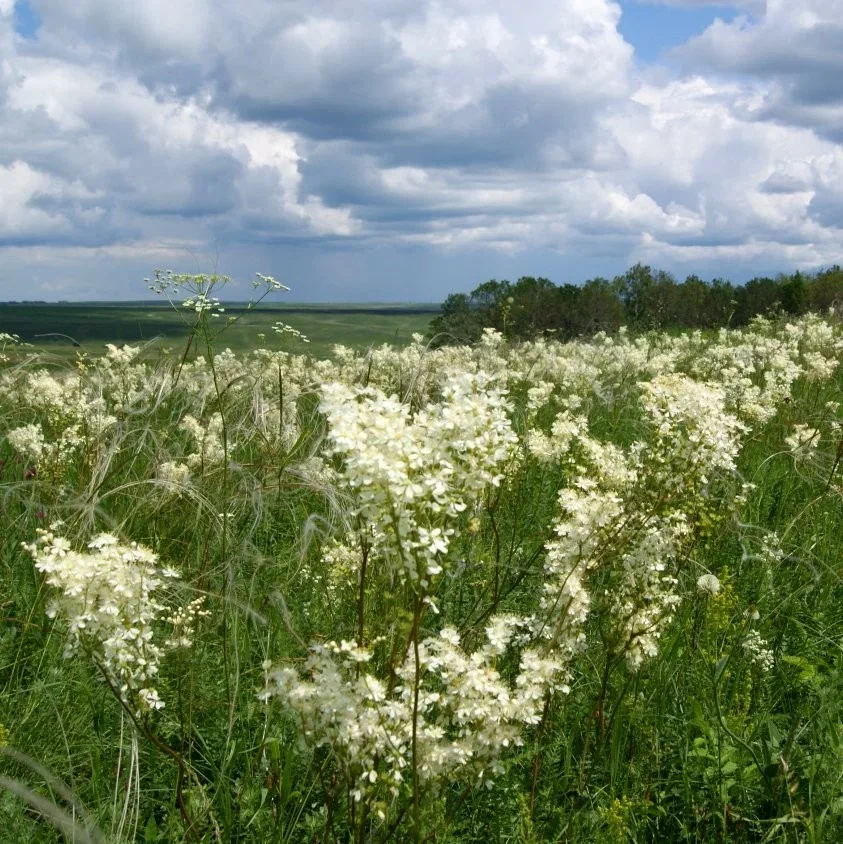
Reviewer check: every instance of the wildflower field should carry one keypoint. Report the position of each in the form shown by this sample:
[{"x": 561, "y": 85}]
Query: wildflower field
[{"x": 539, "y": 592}]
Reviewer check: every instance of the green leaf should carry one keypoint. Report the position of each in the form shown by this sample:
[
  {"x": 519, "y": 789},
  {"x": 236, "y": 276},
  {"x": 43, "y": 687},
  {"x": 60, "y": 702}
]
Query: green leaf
[{"x": 150, "y": 832}]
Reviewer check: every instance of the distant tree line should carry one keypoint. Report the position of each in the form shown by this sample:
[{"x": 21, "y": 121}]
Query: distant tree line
[{"x": 642, "y": 298}]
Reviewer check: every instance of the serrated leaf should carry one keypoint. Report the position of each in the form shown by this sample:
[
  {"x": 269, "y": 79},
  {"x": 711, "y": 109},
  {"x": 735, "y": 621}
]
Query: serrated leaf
[{"x": 150, "y": 831}]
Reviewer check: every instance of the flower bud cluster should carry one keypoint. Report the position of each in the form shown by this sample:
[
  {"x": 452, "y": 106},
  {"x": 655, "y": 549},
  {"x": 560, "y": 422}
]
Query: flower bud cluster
[{"x": 184, "y": 620}]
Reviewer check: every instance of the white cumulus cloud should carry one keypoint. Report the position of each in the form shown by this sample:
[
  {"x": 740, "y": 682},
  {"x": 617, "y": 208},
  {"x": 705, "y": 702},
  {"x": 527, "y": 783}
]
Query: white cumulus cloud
[{"x": 438, "y": 127}]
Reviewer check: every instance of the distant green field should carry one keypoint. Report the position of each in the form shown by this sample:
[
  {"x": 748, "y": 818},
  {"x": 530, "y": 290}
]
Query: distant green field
[{"x": 92, "y": 325}]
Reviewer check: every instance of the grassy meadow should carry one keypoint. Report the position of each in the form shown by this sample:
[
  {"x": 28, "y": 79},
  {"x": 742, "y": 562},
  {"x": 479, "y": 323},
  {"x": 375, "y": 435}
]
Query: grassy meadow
[
  {"x": 534, "y": 592},
  {"x": 92, "y": 325}
]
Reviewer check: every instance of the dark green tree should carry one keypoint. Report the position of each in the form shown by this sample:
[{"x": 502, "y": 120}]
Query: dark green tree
[
  {"x": 825, "y": 290},
  {"x": 793, "y": 294},
  {"x": 600, "y": 308},
  {"x": 758, "y": 296},
  {"x": 457, "y": 323}
]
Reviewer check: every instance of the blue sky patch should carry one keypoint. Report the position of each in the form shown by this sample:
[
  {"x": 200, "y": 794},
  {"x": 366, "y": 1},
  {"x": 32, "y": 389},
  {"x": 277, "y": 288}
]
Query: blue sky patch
[
  {"x": 653, "y": 29},
  {"x": 27, "y": 22}
]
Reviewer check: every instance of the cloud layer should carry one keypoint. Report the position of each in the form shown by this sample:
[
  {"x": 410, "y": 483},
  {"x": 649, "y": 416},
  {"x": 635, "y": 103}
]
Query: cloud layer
[{"x": 412, "y": 133}]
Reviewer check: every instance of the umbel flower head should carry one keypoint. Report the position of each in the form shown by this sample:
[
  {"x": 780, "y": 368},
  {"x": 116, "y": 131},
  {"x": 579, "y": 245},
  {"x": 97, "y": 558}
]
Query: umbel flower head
[{"x": 108, "y": 595}]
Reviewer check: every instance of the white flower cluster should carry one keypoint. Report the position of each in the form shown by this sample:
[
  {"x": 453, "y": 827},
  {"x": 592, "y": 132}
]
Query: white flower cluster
[
  {"x": 175, "y": 477},
  {"x": 554, "y": 447},
  {"x": 466, "y": 714},
  {"x": 644, "y": 599},
  {"x": 108, "y": 595},
  {"x": 208, "y": 440},
  {"x": 8, "y": 344},
  {"x": 625, "y": 515},
  {"x": 127, "y": 384},
  {"x": 758, "y": 366},
  {"x": 269, "y": 282},
  {"x": 169, "y": 283},
  {"x": 538, "y": 395},
  {"x": 28, "y": 441},
  {"x": 758, "y": 651},
  {"x": 71, "y": 418},
  {"x": 342, "y": 559},
  {"x": 201, "y": 303},
  {"x": 587, "y": 517},
  {"x": 412, "y": 475},
  {"x": 708, "y": 585},
  {"x": 120, "y": 357},
  {"x": 694, "y": 436},
  {"x": 803, "y": 440}
]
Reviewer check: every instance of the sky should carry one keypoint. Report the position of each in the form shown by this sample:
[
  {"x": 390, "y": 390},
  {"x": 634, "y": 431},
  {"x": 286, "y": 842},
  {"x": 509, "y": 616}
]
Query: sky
[{"x": 400, "y": 150}]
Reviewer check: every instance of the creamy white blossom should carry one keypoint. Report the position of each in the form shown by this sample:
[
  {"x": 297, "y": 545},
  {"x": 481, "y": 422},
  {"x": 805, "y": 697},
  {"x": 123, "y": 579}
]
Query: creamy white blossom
[
  {"x": 758, "y": 651},
  {"x": 708, "y": 584},
  {"x": 111, "y": 596},
  {"x": 803, "y": 439},
  {"x": 467, "y": 716},
  {"x": 28, "y": 441},
  {"x": 412, "y": 475}
]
